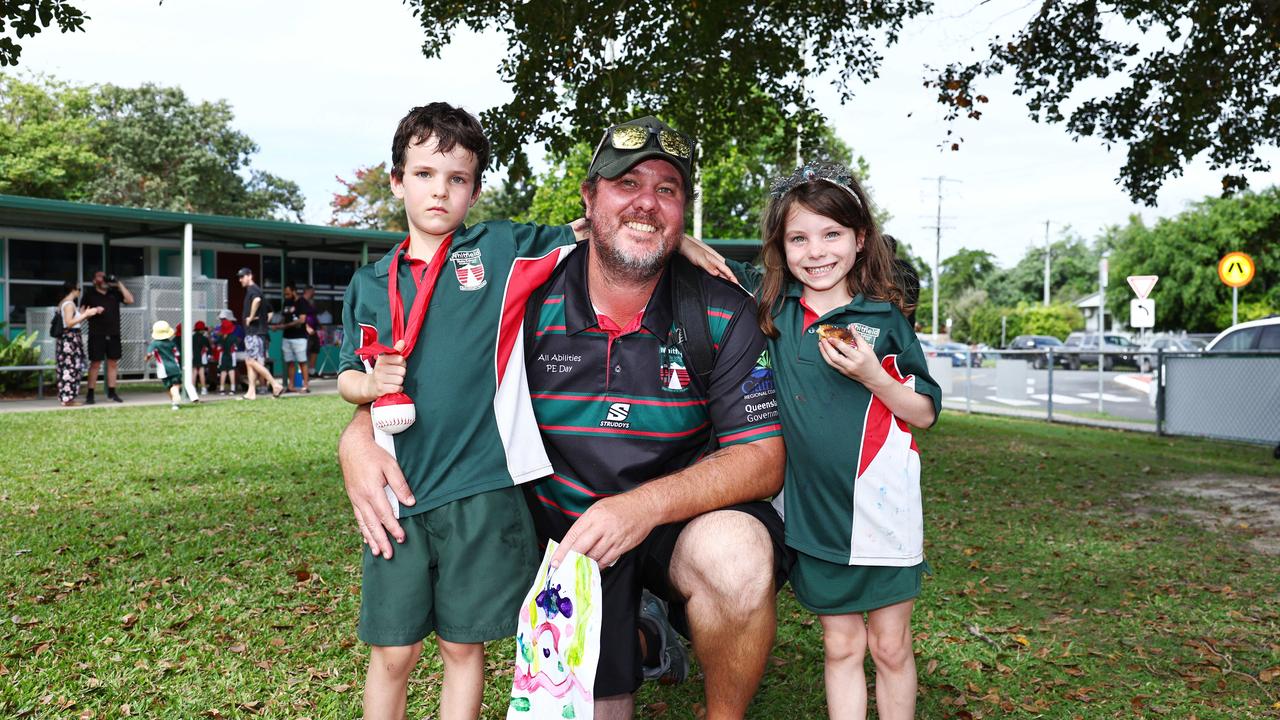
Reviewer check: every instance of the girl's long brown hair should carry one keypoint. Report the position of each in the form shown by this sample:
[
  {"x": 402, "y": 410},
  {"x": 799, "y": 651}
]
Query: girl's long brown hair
[{"x": 873, "y": 274}]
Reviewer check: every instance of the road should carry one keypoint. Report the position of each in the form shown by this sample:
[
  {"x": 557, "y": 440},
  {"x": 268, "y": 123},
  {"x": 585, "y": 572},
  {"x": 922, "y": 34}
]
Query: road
[{"x": 1124, "y": 394}]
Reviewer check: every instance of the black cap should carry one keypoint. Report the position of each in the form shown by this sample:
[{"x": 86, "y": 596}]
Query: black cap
[
  {"x": 243, "y": 271},
  {"x": 609, "y": 162}
]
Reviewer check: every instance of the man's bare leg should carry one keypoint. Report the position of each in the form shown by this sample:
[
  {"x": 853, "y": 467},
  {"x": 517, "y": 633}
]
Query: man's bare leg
[
  {"x": 615, "y": 707},
  {"x": 723, "y": 565}
]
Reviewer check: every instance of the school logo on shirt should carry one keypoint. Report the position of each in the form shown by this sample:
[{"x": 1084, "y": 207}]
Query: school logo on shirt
[
  {"x": 673, "y": 376},
  {"x": 469, "y": 267},
  {"x": 867, "y": 332}
]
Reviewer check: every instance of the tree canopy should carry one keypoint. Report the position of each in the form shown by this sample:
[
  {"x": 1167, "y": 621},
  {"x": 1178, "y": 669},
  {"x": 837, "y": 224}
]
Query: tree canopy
[
  {"x": 148, "y": 146},
  {"x": 367, "y": 201},
  {"x": 1199, "y": 76},
  {"x": 1184, "y": 251},
  {"x": 28, "y": 17}
]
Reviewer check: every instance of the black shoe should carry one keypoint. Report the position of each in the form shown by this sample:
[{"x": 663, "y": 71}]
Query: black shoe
[
  {"x": 88, "y": 398},
  {"x": 114, "y": 396}
]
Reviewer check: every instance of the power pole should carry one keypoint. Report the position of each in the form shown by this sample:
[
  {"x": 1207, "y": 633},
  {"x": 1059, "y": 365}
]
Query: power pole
[
  {"x": 937, "y": 250},
  {"x": 1046, "y": 263}
]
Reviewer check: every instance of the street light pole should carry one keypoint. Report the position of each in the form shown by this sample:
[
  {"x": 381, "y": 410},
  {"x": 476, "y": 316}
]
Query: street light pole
[{"x": 1046, "y": 263}]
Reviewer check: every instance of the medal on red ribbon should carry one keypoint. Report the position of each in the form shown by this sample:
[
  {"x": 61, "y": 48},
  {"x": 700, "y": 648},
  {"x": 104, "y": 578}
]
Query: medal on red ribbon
[{"x": 395, "y": 412}]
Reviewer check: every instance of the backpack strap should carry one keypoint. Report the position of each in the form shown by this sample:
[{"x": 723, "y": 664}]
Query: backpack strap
[{"x": 692, "y": 333}]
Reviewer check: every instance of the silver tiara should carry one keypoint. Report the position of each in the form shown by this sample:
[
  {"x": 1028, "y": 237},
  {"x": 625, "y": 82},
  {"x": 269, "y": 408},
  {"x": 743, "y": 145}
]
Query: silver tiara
[{"x": 810, "y": 172}]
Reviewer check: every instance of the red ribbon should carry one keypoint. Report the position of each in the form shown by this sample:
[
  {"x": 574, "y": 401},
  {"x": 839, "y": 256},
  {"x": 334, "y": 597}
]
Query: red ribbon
[{"x": 418, "y": 313}]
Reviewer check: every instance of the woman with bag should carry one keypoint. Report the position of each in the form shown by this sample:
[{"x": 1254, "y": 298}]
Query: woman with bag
[{"x": 70, "y": 355}]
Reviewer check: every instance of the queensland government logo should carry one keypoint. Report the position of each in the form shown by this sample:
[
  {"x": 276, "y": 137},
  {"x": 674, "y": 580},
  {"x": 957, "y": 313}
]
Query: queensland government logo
[{"x": 469, "y": 267}]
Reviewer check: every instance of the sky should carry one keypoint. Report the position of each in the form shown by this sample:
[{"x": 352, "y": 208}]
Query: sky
[{"x": 320, "y": 87}]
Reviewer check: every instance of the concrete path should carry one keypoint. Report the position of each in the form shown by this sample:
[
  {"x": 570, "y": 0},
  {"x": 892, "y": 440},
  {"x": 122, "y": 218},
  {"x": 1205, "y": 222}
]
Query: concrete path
[{"x": 135, "y": 398}]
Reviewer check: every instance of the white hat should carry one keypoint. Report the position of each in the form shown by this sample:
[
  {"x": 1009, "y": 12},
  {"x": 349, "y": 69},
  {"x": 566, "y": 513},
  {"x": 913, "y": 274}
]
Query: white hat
[
  {"x": 161, "y": 330},
  {"x": 226, "y": 314}
]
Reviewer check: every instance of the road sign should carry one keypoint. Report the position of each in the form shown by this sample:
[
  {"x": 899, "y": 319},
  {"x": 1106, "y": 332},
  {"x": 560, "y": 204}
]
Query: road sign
[
  {"x": 1236, "y": 269},
  {"x": 1142, "y": 313},
  {"x": 1142, "y": 284}
]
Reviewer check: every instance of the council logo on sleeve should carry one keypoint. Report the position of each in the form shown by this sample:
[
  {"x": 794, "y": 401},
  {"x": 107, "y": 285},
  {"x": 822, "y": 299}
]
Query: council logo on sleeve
[{"x": 760, "y": 382}]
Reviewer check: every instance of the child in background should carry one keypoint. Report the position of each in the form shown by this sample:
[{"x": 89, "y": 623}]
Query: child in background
[
  {"x": 164, "y": 350},
  {"x": 228, "y": 343},
  {"x": 201, "y": 347},
  {"x": 851, "y": 377}
]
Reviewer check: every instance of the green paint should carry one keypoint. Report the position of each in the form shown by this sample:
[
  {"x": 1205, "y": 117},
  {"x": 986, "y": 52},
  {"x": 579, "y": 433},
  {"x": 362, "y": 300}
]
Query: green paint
[
  {"x": 520, "y": 704},
  {"x": 568, "y": 711},
  {"x": 583, "y": 599}
]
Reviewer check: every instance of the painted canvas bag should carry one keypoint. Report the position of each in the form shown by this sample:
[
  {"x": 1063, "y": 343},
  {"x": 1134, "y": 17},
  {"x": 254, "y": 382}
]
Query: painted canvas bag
[{"x": 558, "y": 642}]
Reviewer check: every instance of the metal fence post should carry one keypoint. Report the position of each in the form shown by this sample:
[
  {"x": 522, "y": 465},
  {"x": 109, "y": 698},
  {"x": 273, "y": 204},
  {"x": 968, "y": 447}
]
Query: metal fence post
[
  {"x": 1050, "y": 384},
  {"x": 1159, "y": 380},
  {"x": 968, "y": 380}
]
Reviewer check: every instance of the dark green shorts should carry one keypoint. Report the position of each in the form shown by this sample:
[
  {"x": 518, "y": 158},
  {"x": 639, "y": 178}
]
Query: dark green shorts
[
  {"x": 829, "y": 588},
  {"x": 462, "y": 571},
  {"x": 170, "y": 380}
]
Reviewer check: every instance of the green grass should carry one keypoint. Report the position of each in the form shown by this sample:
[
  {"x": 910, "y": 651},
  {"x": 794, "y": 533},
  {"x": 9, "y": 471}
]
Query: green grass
[{"x": 204, "y": 564}]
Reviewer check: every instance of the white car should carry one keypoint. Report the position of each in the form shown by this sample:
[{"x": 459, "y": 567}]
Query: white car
[{"x": 1254, "y": 335}]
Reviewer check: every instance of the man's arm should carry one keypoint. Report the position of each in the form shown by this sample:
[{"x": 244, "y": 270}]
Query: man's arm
[
  {"x": 125, "y": 296},
  {"x": 253, "y": 311},
  {"x": 731, "y": 475},
  {"x": 366, "y": 468}
]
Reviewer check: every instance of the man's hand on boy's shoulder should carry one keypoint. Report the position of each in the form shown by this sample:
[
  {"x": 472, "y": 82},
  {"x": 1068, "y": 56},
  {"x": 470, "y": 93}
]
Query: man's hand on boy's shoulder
[{"x": 581, "y": 229}]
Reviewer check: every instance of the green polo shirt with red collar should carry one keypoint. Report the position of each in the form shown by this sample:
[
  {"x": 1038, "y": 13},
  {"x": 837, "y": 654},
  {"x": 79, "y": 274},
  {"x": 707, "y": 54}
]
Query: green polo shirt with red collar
[
  {"x": 475, "y": 430},
  {"x": 852, "y": 488}
]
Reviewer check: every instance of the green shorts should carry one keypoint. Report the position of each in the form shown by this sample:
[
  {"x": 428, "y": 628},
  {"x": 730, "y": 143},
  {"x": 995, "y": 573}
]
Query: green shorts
[
  {"x": 170, "y": 380},
  {"x": 829, "y": 588},
  {"x": 462, "y": 572}
]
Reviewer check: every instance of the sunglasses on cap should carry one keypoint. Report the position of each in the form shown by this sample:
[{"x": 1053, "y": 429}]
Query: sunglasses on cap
[{"x": 634, "y": 137}]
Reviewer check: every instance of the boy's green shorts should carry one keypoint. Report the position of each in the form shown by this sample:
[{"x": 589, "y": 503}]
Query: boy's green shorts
[
  {"x": 171, "y": 380},
  {"x": 462, "y": 572},
  {"x": 829, "y": 588}
]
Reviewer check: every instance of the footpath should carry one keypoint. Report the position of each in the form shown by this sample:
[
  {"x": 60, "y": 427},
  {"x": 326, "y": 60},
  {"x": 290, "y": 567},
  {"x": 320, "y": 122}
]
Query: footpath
[{"x": 134, "y": 397}]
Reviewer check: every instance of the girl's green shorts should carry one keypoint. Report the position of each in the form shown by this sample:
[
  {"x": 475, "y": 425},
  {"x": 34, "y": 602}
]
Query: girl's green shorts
[{"x": 829, "y": 588}]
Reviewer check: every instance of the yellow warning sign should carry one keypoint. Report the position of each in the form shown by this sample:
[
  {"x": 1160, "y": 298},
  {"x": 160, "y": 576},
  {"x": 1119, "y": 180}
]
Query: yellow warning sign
[{"x": 1235, "y": 269}]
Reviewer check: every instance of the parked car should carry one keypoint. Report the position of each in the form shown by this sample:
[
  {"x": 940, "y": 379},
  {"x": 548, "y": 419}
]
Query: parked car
[
  {"x": 1041, "y": 343},
  {"x": 1081, "y": 348},
  {"x": 1168, "y": 343},
  {"x": 959, "y": 353},
  {"x": 1261, "y": 334}
]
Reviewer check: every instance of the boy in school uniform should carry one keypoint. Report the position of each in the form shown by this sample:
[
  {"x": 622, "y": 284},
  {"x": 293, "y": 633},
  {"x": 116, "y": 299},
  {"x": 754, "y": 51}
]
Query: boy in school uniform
[
  {"x": 438, "y": 318},
  {"x": 164, "y": 350}
]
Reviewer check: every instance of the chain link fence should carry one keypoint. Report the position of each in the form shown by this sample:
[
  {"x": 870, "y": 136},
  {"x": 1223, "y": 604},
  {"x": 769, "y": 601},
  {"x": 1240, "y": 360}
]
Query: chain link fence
[
  {"x": 155, "y": 297},
  {"x": 1227, "y": 396}
]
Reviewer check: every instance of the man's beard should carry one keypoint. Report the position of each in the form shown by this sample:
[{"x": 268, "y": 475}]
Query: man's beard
[{"x": 638, "y": 267}]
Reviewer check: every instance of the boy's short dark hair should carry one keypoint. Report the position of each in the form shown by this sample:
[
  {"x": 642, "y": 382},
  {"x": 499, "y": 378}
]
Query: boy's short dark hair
[{"x": 451, "y": 127}]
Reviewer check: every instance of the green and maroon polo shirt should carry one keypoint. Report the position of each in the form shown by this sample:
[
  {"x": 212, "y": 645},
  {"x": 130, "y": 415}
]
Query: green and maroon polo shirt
[
  {"x": 475, "y": 430},
  {"x": 617, "y": 406}
]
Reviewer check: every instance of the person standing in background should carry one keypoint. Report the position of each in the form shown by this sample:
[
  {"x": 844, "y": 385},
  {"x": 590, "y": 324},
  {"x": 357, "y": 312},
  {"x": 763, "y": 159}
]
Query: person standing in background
[
  {"x": 108, "y": 293},
  {"x": 69, "y": 350},
  {"x": 255, "y": 336},
  {"x": 307, "y": 307},
  {"x": 293, "y": 324}
]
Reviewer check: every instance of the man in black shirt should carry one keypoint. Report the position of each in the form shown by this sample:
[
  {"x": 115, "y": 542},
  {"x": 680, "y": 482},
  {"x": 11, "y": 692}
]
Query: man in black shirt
[
  {"x": 255, "y": 336},
  {"x": 104, "y": 330},
  {"x": 293, "y": 323}
]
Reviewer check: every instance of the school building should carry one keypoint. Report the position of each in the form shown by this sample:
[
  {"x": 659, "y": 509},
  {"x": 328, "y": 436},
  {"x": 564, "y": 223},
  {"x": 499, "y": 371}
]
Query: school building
[{"x": 44, "y": 243}]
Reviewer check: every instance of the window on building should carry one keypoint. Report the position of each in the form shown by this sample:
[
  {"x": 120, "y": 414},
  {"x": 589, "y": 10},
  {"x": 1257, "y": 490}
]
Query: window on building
[
  {"x": 42, "y": 260},
  {"x": 24, "y": 295},
  {"x": 126, "y": 262},
  {"x": 332, "y": 273}
]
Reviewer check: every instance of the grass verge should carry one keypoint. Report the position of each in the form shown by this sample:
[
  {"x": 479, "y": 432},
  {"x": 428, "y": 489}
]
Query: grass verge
[{"x": 204, "y": 564}]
